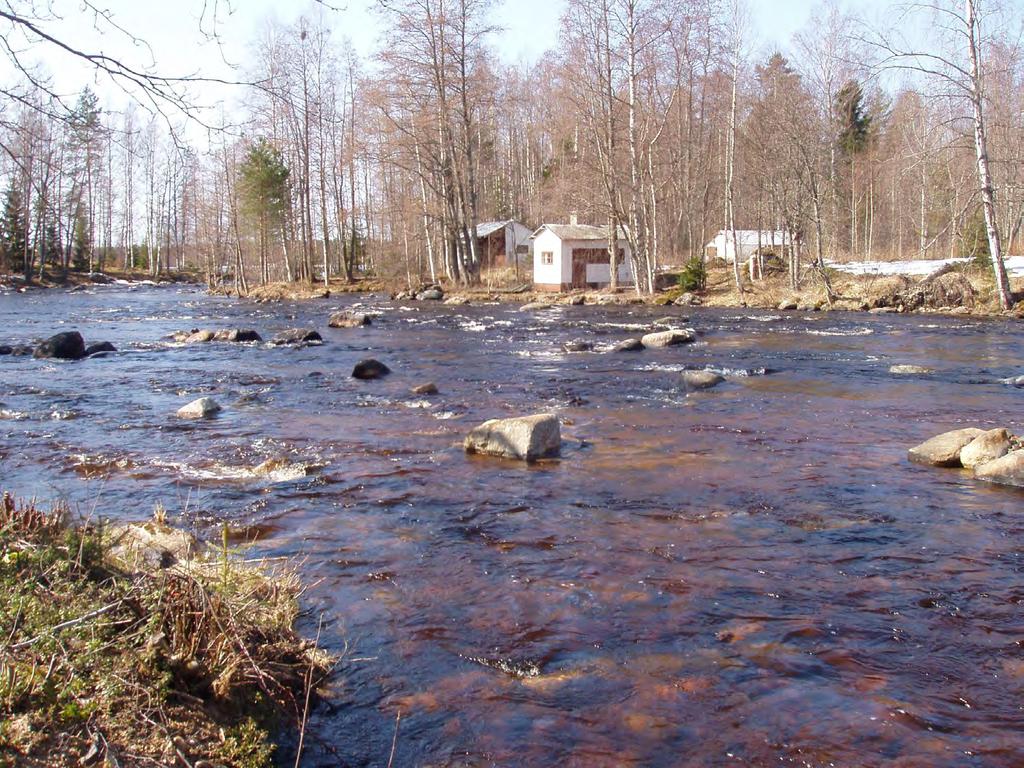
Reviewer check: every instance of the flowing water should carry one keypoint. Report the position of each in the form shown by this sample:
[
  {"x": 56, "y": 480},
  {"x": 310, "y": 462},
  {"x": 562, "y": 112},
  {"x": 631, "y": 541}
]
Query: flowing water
[{"x": 752, "y": 575}]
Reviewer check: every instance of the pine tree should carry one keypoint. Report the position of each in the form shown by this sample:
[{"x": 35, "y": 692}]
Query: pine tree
[
  {"x": 80, "y": 248},
  {"x": 13, "y": 228}
]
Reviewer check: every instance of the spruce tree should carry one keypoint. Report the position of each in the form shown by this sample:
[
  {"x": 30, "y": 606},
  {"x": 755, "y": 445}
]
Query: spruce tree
[{"x": 13, "y": 228}]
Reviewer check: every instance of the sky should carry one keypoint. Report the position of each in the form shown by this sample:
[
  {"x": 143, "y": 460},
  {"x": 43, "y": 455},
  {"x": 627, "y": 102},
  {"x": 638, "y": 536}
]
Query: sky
[{"x": 174, "y": 33}]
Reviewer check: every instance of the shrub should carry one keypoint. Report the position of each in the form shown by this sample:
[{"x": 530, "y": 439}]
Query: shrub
[{"x": 694, "y": 276}]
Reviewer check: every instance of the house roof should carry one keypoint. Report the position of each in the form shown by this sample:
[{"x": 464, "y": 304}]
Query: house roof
[
  {"x": 485, "y": 228},
  {"x": 579, "y": 231}
]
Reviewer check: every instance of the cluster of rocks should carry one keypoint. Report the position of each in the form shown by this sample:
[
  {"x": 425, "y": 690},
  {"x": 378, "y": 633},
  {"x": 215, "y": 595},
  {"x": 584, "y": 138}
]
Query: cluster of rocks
[
  {"x": 68, "y": 345},
  {"x": 197, "y": 336},
  {"x": 432, "y": 292},
  {"x": 994, "y": 455}
]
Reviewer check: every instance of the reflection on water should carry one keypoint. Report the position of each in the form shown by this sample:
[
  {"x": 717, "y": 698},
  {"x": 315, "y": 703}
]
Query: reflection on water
[{"x": 751, "y": 575}]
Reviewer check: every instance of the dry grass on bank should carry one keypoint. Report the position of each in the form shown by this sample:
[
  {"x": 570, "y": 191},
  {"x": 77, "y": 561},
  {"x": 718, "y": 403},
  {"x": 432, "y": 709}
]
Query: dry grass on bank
[{"x": 113, "y": 652}]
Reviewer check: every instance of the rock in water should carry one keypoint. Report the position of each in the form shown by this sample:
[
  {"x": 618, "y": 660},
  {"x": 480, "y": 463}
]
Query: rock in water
[
  {"x": 202, "y": 408},
  {"x": 535, "y": 305},
  {"x": 5, "y": 349},
  {"x": 578, "y": 346},
  {"x": 64, "y": 346},
  {"x": 629, "y": 345},
  {"x": 98, "y": 349},
  {"x": 425, "y": 389},
  {"x": 702, "y": 379},
  {"x": 197, "y": 337},
  {"x": 433, "y": 293},
  {"x": 909, "y": 370},
  {"x": 237, "y": 335},
  {"x": 296, "y": 336},
  {"x": 348, "y": 319},
  {"x": 370, "y": 369},
  {"x": 1008, "y": 470},
  {"x": 944, "y": 450},
  {"x": 527, "y": 438},
  {"x": 987, "y": 447},
  {"x": 669, "y": 338}
]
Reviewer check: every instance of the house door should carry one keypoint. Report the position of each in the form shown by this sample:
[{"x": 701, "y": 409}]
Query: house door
[{"x": 579, "y": 269}]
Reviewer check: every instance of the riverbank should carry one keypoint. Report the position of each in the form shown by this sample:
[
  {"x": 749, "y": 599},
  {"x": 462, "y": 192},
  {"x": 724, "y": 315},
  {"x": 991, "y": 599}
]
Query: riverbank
[
  {"x": 963, "y": 289},
  {"x": 138, "y": 644},
  {"x": 113, "y": 276}
]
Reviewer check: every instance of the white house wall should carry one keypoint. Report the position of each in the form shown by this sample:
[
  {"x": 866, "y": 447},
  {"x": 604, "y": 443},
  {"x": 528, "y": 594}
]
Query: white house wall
[{"x": 548, "y": 274}]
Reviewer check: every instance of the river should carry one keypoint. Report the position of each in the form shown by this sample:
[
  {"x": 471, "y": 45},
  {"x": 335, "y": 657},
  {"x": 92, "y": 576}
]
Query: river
[{"x": 752, "y": 575}]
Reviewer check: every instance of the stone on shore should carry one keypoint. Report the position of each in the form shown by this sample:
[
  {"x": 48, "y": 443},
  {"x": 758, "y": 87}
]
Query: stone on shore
[
  {"x": 63, "y": 346},
  {"x": 1007, "y": 470},
  {"x": 702, "y": 379},
  {"x": 526, "y": 438},
  {"x": 987, "y": 447},
  {"x": 909, "y": 370},
  {"x": 944, "y": 450},
  {"x": 98, "y": 349},
  {"x": 669, "y": 338},
  {"x": 429, "y": 388},
  {"x": 432, "y": 293},
  {"x": 370, "y": 369},
  {"x": 296, "y": 336},
  {"x": 788, "y": 305},
  {"x": 348, "y": 319},
  {"x": 203, "y": 408},
  {"x": 629, "y": 345}
]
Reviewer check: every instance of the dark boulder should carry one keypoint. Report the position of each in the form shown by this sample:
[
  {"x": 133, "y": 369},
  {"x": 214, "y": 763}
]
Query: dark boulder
[
  {"x": 578, "y": 346},
  {"x": 370, "y": 369},
  {"x": 100, "y": 348},
  {"x": 20, "y": 350},
  {"x": 64, "y": 346},
  {"x": 297, "y": 336},
  {"x": 5, "y": 349}
]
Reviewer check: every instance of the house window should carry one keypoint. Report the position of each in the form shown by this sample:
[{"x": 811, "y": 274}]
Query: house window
[{"x": 547, "y": 257}]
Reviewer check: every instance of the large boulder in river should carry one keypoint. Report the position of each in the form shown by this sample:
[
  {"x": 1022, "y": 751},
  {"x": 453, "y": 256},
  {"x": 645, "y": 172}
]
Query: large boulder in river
[
  {"x": 629, "y": 345},
  {"x": 1008, "y": 470},
  {"x": 237, "y": 335},
  {"x": 527, "y": 438},
  {"x": 370, "y": 369},
  {"x": 702, "y": 379},
  {"x": 199, "y": 337},
  {"x": 203, "y": 408},
  {"x": 944, "y": 450},
  {"x": 348, "y": 319},
  {"x": 99, "y": 349},
  {"x": 64, "y": 346},
  {"x": 668, "y": 338},
  {"x": 988, "y": 446},
  {"x": 297, "y": 336},
  {"x": 432, "y": 293},
  {"x": 5, "y": 349}
]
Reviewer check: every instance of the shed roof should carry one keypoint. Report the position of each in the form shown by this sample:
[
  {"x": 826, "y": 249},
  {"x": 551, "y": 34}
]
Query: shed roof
[
  {"x": 579, "y": 231},
  {"x": 750, "y": 236}
]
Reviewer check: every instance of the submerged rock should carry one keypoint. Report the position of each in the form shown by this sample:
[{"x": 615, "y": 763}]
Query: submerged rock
[
  {"x": 944, "y": 450},
  {"x": 1007, "y": 470},
  {"x": 63, "y": 346},
  {"x": 629, "y": 345},
  {"x": 986, "y": 447},
  {"x": 296, "y": 336},
  {"x": 702, "y": 379},
  {"x": 370, "y": 369},
  {"x": 527, "y": 438},
  {"x": 100, "y": 348},
  {"x": 910, "y": 370},
  {"x": 203, "y": 408},
  {"x": 535, "y": 305},
  {"x": 429, "y": 388},
  {"x": 578, "y": 346},
  {"x": 669, "y": 338},
  {"x": 348, "y": 319}
]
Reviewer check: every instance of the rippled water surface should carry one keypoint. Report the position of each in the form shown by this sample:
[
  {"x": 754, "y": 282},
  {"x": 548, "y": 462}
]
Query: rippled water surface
[{"x": 752, "y": 575}]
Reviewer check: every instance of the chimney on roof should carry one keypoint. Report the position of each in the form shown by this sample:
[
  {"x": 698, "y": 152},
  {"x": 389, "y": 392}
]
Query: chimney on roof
[{"x": 574, "y": 219}]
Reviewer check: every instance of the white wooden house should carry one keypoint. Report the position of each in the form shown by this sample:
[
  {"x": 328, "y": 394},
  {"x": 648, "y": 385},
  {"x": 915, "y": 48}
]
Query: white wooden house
[
  {"x": 502, "y": 243},
  {"x": 570, "y": 256},
  {"x": 749, "y": 240}
]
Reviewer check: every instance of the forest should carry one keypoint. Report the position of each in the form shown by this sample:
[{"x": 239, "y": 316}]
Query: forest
[{"x": 671, "y": 120}]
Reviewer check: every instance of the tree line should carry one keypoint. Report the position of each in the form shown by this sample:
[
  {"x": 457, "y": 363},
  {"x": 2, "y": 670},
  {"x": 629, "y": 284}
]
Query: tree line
[{"x": 667, "y": 121}]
